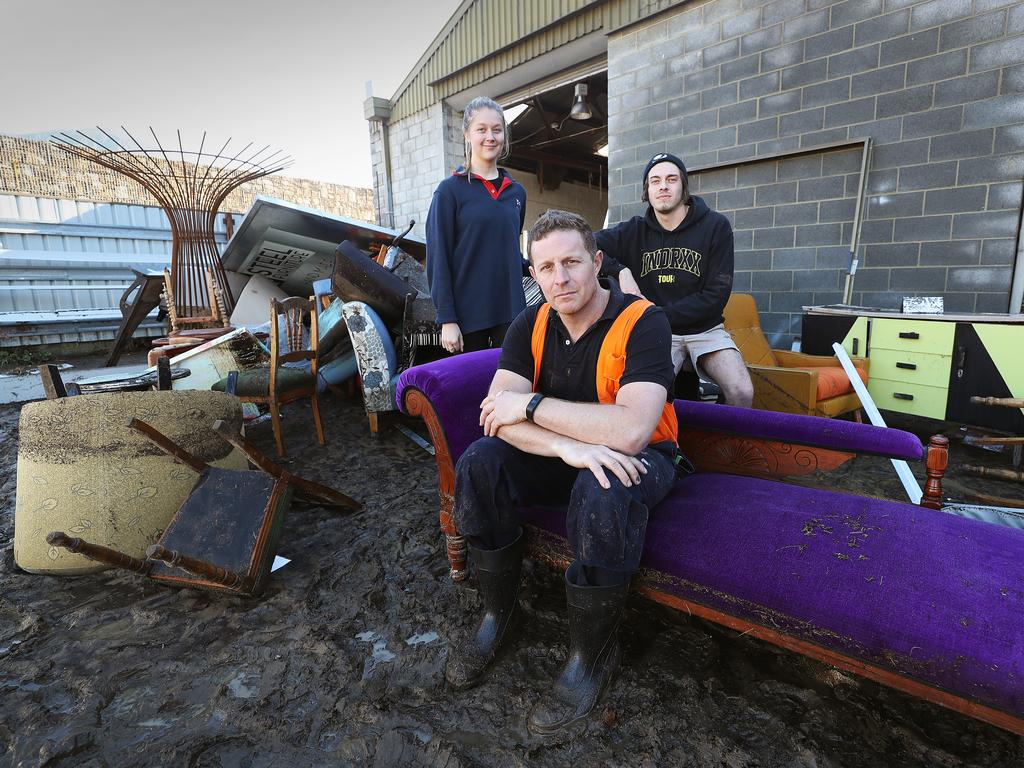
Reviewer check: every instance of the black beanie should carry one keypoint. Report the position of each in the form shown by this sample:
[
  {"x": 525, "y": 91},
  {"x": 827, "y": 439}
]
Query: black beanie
[{"x": 661, "y": 157}]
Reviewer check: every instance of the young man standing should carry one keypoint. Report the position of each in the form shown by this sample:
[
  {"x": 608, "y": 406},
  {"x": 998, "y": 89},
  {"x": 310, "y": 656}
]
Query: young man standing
[
  {"x": 578, "y": 413},
  {"x": 680, "y": 256}
]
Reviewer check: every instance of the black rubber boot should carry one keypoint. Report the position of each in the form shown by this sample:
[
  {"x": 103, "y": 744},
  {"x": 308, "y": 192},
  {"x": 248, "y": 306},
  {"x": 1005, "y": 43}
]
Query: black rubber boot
[
  {"x": 498, "y": 573},
  {"x": 594, "y": 616}
]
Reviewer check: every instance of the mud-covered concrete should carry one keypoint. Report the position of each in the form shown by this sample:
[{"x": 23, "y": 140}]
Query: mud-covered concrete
[{"x": 341, "y": 662}]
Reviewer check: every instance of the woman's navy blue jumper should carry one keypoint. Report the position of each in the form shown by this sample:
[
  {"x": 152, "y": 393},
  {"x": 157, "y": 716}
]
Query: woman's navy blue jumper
[{"x": 474, "y": 263}]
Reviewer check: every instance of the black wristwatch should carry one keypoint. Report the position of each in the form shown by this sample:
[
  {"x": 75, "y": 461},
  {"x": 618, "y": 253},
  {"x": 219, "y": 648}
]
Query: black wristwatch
[{"x": 531, "y": 406}]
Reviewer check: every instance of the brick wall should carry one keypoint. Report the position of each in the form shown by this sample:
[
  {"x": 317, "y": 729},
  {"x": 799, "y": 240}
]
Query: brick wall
[
  {"x": 938, "y": 87},
  {"x": 40, "y": 169}
]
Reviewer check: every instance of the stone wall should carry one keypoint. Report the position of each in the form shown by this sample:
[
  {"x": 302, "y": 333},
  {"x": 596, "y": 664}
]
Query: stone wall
[
  {"x": 937, "y": 85},
  {"x": 40, "y": 169}
]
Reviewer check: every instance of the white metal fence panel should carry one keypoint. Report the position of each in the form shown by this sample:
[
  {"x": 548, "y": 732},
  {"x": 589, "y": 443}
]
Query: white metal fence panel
[{"x": 64, "y": 265}]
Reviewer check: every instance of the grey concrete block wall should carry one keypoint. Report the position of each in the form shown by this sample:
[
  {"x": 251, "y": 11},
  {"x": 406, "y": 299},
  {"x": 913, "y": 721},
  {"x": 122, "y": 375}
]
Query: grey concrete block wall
[
  {"x": 938, "y": 85},
  {"x": 425, "y": 147}
]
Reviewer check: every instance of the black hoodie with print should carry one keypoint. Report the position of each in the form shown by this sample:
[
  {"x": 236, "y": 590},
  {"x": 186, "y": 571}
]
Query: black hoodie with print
[{"x": 688, "y": 271}]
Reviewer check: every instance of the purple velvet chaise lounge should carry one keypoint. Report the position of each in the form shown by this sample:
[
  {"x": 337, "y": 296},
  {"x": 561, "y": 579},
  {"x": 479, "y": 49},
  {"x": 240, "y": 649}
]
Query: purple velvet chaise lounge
[{"x": 906, "y": 595}]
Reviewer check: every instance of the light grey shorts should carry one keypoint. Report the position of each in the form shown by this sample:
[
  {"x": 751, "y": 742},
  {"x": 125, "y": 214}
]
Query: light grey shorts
[{"x": 689, "y": 348}]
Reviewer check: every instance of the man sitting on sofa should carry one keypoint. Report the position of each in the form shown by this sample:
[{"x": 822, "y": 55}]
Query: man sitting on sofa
[{"x": 579, "y": 413}]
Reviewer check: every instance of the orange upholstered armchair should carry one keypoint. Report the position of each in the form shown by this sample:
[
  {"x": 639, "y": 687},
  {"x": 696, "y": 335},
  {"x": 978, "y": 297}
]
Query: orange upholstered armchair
[{"x": 790, "y": 382}]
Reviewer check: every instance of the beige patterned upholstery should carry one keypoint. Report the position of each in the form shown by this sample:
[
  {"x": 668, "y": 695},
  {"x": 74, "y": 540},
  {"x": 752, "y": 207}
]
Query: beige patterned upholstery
[{"x": 82, "y": 471}]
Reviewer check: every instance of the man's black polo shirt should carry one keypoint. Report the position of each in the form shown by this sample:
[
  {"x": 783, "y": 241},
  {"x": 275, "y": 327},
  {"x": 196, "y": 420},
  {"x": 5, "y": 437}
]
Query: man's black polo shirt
[{"x": 568, "y": 371}]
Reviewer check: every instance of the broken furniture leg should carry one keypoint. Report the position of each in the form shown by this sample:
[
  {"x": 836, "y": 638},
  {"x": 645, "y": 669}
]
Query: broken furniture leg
[
  {"x": 166, "y": 444},
  {"x": 1013, "y": 475},
  {"x": 305, "y": 490},
  {"x": 147, "y": 290},
  {"x": 1016, "y": 442},
  {"x": 53, "y": 384},
  {"x": 995, "y": 501}
]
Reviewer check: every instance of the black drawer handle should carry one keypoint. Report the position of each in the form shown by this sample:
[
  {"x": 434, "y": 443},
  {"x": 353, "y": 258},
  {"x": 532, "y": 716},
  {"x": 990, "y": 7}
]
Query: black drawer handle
[
  {"x": 907, "y": 366},
  {"x": 910, "y": 335},
  {"x": 902, "y": 396}
]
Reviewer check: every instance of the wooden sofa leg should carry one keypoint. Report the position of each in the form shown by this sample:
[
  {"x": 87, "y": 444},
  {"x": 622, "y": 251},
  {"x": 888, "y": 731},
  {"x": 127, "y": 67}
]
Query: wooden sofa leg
[
  {"x": 938, "y": 459},
  {"x": 417, "y": 404},
  {"x": 457, "y": 557}
]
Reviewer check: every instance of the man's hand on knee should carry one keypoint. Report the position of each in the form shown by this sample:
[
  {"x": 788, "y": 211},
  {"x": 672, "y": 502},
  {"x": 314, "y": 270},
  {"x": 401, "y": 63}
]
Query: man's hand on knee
[{"x": 598, "y": 458}]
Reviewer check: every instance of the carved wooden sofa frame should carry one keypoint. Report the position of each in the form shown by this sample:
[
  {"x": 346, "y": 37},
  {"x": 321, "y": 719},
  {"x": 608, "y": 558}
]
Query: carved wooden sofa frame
[{"x": 744, "y": 454}]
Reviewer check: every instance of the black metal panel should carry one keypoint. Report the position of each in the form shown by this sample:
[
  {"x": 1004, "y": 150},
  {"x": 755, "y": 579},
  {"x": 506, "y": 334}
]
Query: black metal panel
[
  {"x": 819, "y": 332},
  {"x": 973, "y": 372}
]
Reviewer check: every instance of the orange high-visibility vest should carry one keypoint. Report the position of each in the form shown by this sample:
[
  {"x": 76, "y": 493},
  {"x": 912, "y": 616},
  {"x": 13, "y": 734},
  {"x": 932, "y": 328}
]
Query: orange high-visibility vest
[{"x": 611, "y": 362}]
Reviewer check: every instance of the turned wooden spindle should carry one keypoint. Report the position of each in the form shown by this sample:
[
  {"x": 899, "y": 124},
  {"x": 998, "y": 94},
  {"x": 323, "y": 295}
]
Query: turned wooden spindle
[
  {"x": 96, "y": 552},
  {"x": 938, "y": 460},
  {"x": 200, "y": 568},
  {"x": 1013, "y": 475},
  {"x": 1005, "y": 402}
]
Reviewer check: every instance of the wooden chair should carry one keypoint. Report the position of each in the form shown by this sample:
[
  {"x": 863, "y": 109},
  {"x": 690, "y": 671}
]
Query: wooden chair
[
  {"x": 245, "y": 508},
  {"x": 210, "y": 314},
  {"x": 275, "y": 385},
  {"x": 195, "y": 319},
  {"x": 789, "y": 382}
]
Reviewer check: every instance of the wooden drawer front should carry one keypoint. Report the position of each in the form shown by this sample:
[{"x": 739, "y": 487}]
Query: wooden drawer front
[
  {"x": 929, "y": 336},
  {"x": 915, "y": 367},
  {"x": 893, "y": 396}
]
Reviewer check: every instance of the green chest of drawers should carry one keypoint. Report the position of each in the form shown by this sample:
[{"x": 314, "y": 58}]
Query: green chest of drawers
[
  {"x": 910, "y": 365},
  {"x": 930, "y": 367}
]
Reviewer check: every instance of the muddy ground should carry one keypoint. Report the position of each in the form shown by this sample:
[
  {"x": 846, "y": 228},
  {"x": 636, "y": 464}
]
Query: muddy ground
[{"x": 341, "y": 662}]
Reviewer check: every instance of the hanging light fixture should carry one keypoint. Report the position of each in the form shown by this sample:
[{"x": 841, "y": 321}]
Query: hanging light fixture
[{"x": 580, "y": 104}]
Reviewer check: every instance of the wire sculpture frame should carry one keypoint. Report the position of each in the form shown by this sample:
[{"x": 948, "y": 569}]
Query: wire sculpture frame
[{"x": 190, "y": 187}]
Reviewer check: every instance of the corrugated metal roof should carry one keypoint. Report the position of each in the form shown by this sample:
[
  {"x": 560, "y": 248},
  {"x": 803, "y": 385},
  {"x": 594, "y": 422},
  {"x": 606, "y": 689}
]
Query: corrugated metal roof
[
  {"x": 72, "y": 255},
  {"x": 484, "y": 38}
]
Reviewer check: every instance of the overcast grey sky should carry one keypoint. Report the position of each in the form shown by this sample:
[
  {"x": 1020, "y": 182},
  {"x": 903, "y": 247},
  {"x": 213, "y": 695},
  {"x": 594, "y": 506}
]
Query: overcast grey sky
[{"x": 289, "y": 73}]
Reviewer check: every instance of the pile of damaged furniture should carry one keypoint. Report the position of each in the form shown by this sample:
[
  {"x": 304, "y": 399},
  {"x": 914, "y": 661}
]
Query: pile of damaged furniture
[
  {"x": 114, "y": 474},
  {"x": 344, "y": 332},
  {"x": 154, "y": 482},
  {"x": 111, "y": 474},
  {"x": 908, "y": 595}
]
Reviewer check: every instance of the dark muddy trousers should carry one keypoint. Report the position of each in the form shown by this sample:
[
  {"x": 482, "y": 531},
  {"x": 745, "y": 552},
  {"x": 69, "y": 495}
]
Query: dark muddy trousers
[{"x": 606, "y": 526}]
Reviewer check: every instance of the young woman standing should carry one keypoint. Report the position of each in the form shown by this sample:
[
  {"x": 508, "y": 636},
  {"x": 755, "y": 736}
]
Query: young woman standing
[{"x": 474, "y": 264}]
